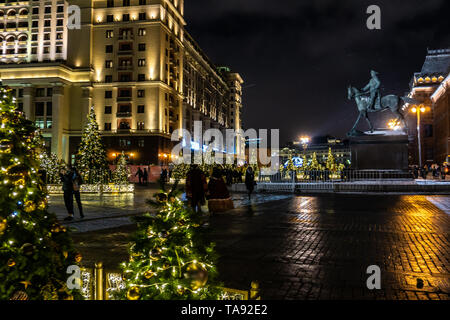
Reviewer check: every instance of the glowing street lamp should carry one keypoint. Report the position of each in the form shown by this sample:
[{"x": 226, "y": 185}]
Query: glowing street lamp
[
  {"x": 304, "y": 140},
  {"x": 394, "y": 124},
  {"x": 418, "y": 110}
]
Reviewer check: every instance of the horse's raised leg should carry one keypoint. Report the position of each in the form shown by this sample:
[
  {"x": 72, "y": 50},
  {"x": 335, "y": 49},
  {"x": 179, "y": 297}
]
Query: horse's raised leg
[{"x": 366, "y": 115}]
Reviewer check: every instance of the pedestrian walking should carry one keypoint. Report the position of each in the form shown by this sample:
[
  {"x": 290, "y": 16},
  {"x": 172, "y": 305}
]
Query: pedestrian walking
[
  {"x": 443, "y": 171},
  {"x": 145, "y": 176},
  {"x": 196, "y": 187},
  {"x": 250, "y": 181},
  {"x": 219, "y": 199},
  {"x": 67, "y": 184},
  {"x": 140, "y": 174},
  {"x": 77, "y": 182}
]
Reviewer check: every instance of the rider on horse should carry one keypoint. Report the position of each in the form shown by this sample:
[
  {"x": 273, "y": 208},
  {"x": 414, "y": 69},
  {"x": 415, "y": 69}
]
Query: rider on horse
[{"x": 373, "y": 87}]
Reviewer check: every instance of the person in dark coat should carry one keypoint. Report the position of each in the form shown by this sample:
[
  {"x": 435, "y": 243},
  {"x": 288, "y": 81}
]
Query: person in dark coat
[
  {"x": 140, "y": 174},
  {"x": 196, "y": 187},
  {"x": 67, "y": 185},
  {"x": 77, "y": 182},
  {"x": 250, "y": 181},
  {"x": 145, "y": 176},
  {"x": 219, "y": 199}
]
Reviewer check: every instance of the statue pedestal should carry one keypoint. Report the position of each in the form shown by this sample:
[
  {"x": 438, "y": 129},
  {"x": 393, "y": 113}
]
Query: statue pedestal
[{"x": 381, "y": 150}]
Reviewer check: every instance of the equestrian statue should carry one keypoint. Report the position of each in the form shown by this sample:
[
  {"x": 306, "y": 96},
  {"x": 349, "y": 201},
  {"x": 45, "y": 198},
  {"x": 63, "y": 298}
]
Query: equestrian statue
[{"x": 369, "y": 100}]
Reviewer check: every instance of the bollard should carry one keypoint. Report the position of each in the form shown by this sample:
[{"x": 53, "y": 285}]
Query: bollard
[
  {"x": 254, "y": 291},
  {"x": 99, "y": 281}
]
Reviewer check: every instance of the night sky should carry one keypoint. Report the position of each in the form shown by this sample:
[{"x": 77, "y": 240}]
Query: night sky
[{"x": 298, "y": 57}]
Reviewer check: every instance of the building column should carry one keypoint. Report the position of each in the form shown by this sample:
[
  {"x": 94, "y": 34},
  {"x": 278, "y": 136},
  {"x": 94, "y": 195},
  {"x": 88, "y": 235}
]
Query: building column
[
  {"x": 58, "y": 142},
  {"x": 86, "y": 103},
  {"x": 27, "y": 100}
]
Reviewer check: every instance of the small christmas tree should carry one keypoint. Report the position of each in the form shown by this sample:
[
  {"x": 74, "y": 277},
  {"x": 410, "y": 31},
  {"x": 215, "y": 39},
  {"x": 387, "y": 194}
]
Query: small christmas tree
[
  {"x": 168, "y": 257},
  {"x": 315, "y": 165},
  {"x": 92, "y": 161},
  {"x": 331, "y": 162},
  {"x": 52, "y": 167},
  {"x": 35, "y": 250},
  {"x": 122, "y": 172}
]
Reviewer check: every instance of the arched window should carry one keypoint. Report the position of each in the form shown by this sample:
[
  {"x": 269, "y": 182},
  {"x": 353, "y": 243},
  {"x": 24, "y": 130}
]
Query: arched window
[
  {"x": 23, "y": 12},
  {"x": 10, "y": 39},
  {"x": 2, "y": 13},
  {"x": 23, "y": 37},
  {"x": 11, "y": 12}
]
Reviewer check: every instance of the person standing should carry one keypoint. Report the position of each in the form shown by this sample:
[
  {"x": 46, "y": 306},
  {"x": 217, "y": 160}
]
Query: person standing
[
  {"x": 145, "y": 176},
  {"x": 196, "y": 187},
  {"x": 67, "y": 185},
  {"x": 218, "y": 195},
  {"x": 140, "y": 174},
  {"x": 250, "y": 181},
  {"x": 77, "y": 182}
]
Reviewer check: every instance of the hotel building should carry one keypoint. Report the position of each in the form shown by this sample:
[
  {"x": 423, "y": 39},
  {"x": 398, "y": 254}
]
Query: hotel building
[
  {"x": 431, "y": 87},
  {"x": 130, "y": 59}
]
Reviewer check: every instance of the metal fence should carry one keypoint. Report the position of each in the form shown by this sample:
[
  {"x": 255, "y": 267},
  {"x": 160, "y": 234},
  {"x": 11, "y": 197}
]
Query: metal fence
[
  {"x": 326, "y": 176},
  {"x": 100, "y": 284}
]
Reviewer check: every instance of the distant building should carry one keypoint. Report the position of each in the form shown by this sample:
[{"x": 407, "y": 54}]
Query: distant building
[
  {"x": 131, "y": 59},
  {"x": 320, "y": 146},
  {"x": 431, "y": 87}
]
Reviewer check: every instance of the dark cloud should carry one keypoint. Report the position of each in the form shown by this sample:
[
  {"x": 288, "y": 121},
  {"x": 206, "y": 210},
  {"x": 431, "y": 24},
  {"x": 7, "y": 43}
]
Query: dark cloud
[{"x": 302, "y": 54}]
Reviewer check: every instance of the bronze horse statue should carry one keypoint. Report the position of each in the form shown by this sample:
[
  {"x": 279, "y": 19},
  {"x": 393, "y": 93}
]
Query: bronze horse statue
[{"x": 391, "y": 102}]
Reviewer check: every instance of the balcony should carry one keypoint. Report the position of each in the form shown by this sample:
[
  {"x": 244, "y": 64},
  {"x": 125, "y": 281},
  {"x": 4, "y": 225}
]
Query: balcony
[
  {"x": 126, "y": 37},
  {"x": 125, "y": 68},
  {"x": 124, "y": 115},
  {"x": 124, "y": 99},
  {"x": 125, "y": 52}
]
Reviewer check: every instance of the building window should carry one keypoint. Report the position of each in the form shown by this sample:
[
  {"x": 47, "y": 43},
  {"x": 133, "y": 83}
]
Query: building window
[
  {"x": 142, "y": 2},
  {"x": 107, "y": 126},
  {"x": 109, "y": 34},
  {"x": 141, "y": 32},
  {"x": 46, "y": 50},
  {"x": 141, "y": 47},
  {"x": 58, "y": 49},
  {"x": 60, "y": 9},
  {"x": 126, "y": 17},
  {"x": 141, "y": 109},
  {"x": 108, "y": 79},
  {"x": 47, "y": 23},
  {"x": 141, "y": 143},
  {"x": 39, "y": 109},
  {"x": 108, "y": 94},
  {"x": 108, "y": 64},
  {"x": 109, "y": 49},
  {"x": 141, "y": 77},
  {"x": 108, "y": 109},
  {"x": 141, "y": 62},
  {"x": 46, "y": 36},
  {"x": 40, "y": 92},
  {"x": 109, "y": 18},
  {"x": 59, "y": 36},
  {"x": 36, "y": 10},
  {"x": 59, "y": 22},
  {"x": 141, "y": 125},
  {"x": 141, "y": 93},
  {"x": 126, "y": 3},
  {"x": 35, "y": 24},
  {"x": 110, "y": 3},
  {"x": 142, "y": 16}
]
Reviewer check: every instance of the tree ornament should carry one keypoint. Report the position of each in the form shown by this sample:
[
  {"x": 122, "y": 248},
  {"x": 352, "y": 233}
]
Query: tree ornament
[
  {"x": 148, "y": 274},
  {"x": 27, "y": 249},
  {"x": 155, "y": 254},
  {"x": 19, "y": 295},
  {"x": 2, "y": 226},
  {"x": 197, "y": 275},
  {"x": 78, "y": 258},
  {"x": 133, "y": 293},
  {"x": 29, "y": 206},
  {"x": 11, "y": 263}
]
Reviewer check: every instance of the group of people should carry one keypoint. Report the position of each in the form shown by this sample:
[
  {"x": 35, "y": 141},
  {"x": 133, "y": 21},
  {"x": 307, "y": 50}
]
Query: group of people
[
  {"x": 71, "y": 182},
  {"x": 142, "y": 175},
  {"x": 198, "y": 189},
  {"x": 436, "y": 171}
]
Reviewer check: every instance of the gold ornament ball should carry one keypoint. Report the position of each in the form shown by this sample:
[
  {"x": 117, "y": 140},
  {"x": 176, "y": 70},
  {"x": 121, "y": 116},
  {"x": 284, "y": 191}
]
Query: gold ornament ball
[
  {"x": 197, "y": 274},
  {"x": 78, "y": 257},
  {"x": 148, "y": 274},
  {"x": 11, "y": 263},
  {"x": 133, "y": 293}
]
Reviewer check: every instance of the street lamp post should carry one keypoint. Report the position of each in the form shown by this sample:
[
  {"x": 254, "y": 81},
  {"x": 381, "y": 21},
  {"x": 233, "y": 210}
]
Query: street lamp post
[{"x": 418, "y": 110}]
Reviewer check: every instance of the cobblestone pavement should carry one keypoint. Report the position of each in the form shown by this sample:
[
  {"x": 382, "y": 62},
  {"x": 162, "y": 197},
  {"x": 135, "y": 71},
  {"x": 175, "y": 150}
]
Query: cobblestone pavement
[{"x": 319, "y": 247}]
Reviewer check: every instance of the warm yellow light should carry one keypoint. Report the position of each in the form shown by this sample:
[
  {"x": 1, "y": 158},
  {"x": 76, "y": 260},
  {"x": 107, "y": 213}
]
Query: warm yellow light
[
  {"x": 413, "y": 110},
  {"x": 422, "y": 109},
  {"x": 132, "y": 155},
  {"x": 114, "y": 155},
  {"x": 394, "y": 125}
]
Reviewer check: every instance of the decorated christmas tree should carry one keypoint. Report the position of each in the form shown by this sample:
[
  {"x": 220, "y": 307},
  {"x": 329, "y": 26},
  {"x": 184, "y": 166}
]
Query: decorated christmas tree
[
  {"x": 52, "y": 167},
  {"x": 331, "y": 162},
  {"x": 122, "y": 172},
  {"x": 35, "y": 250},
  {"x": 92, "y": 162},
  {"x": 168, "y": 257},
  {"x": 315, "y": 165}
]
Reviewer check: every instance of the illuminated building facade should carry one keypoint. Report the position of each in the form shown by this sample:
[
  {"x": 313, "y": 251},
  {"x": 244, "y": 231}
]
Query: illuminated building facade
[
  {"x": 131, "y": 59},
  {"x": 431, "y": 88}
]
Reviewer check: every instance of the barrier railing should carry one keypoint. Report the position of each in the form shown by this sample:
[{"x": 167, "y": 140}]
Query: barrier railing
[{"x": 100, "y": 284}]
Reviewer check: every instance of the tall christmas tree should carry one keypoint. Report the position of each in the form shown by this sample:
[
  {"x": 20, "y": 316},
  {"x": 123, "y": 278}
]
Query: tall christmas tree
[
  {"x": 122, "y": 172},
  {"x": 315, "y": 165},
  {"x": 168, "y": 257},
  {"x": 92, "y": 162},
  {"x": 35, "y": 250},
  {"x": 331, "y": 163}
]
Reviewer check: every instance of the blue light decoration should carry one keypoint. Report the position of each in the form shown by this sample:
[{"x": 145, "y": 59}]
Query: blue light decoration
[{"x": 297, "y": 161}]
